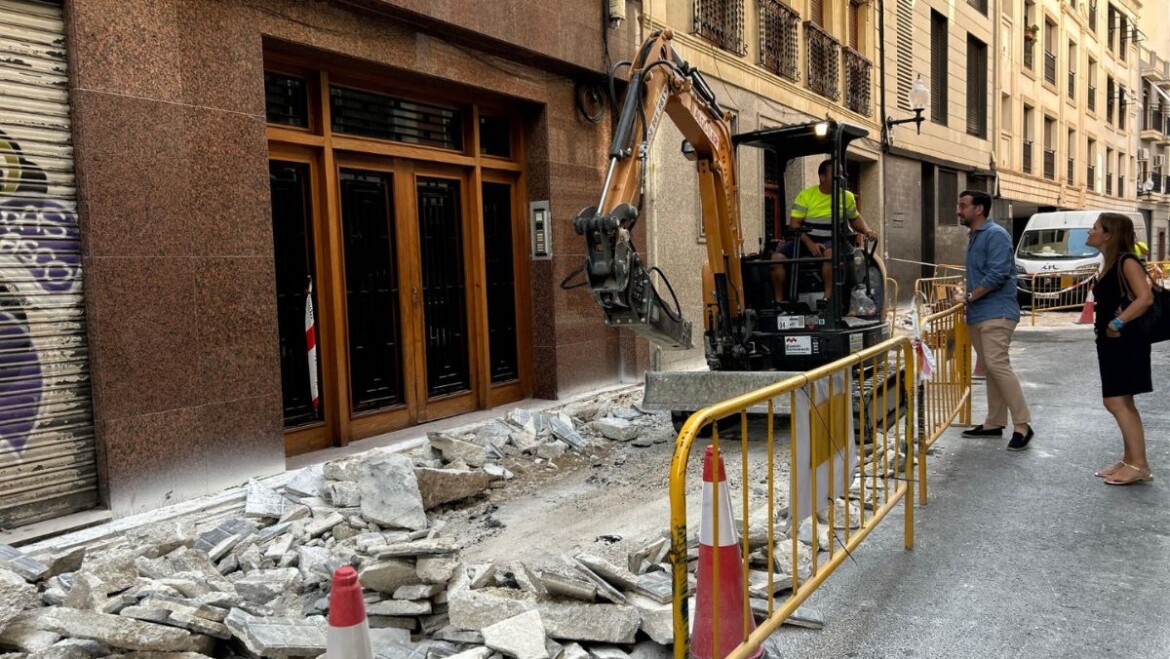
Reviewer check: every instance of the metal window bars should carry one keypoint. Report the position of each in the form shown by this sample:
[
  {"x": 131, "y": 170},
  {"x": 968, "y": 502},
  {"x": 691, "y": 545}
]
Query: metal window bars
[
  {"x": 1050, "y": 67},
  {"x": 1091, "y": 97},
  {"x": 1050, "y": 164},
  {"x": 721, "y": 22},
  {"x": 824, "y": 62},
  {"x": 1027, "y": 156},
  {"x": 1070, "y": 174},
  {"x": 780, "y": 39},
  {"x": 858, "y": 83}
]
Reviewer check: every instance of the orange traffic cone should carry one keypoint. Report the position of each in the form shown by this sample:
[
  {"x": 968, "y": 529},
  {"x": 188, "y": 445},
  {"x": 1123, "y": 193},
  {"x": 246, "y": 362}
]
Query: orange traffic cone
[
  {"x": 349, "y": 631},
  {"x": 735, "y": 619},
  {"x": 1087, "y": 311}
]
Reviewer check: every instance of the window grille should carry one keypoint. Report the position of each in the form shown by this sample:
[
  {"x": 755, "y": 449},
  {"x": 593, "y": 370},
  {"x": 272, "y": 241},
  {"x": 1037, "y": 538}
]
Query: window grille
[
  {"x": 721, "y": 22},
  {"x": 779, "y": 39},
  {"x": 858, "y": 83},
  {"x": 824, "y": 62}
]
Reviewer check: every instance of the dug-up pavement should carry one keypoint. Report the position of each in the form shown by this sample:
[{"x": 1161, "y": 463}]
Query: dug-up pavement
[{"x": 535, "y": 535}]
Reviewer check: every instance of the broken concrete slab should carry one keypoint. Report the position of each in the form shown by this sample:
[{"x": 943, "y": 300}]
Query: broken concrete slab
[
  {"x": 608, "y": 652},
  {"x": 455, "y": 449},
  {"x": 390, "y": 496},
  {"x": 476, "y": 609},
  {"x": 436, "y": 569},
  {"x": 16, "y": 595},
  {"x": 493, "y": 433},
  {"x": 115, "y": 631},
  {"x": 388, "y": 576},
  {"x": 260, "y": 586},
  {"x": 617, "y": 576},
  {"x": 440, "y": 486},
  {"x": 563, "y": 430},
  {"x": 482, "y": 575},
  {"x": 527, "y": 580},
  {"x": 88, "y": 593},
  {"x": 418, "y": 591},
  {"x": 474, "y": 653},
  {"x": 521, "y": 636},
  {"x": 657, "y": 586},
  {"x": 498, "y": 472},
  {"x": 603, "y": 588},
  {"x": 605, "y": 623},
  {"x": 564, "y": 586},
  {"x": 573, "y": 651},
  {"x": 278, "y": 637},
  {"x": 308, "y": 482},
  {"x": 320, "y": 525},
  {"x": 618, "y": 430},
  {"x": 432, "y": 547},
  {"x": 399, "y": 608},
  {"x": 13, "y": 559},
  {"x": 344, "y": 494},
  {"x": 455, "y": 635},
  {"x": 263, "y": 501},
  {"x": 657, "y": 618}
]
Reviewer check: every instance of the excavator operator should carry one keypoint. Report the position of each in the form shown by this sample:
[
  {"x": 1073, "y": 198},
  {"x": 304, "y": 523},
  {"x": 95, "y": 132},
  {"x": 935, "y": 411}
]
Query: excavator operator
[{"x": 811, "y": 223}]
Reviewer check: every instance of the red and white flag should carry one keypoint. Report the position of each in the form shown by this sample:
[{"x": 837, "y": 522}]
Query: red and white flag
[{"x": 311, "y": 345}]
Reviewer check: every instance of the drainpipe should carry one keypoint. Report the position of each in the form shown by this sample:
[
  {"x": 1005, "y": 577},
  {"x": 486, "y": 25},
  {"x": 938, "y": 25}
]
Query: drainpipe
[{"x": 885, "y": 137}]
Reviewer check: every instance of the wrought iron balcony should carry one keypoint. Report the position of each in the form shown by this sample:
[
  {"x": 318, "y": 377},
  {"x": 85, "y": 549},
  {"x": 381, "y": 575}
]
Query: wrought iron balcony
[
  {"x": 779, "y": 39},
  {"x": 1027, "y": 156},
  {"x": 1156, "y": 179},
  {"x": 1050, "y": 67},
  {"x": 858, "y": 83},
  {"x": 1050, "y": 164},
  {"x": 1091, "y": 97},
  {"x": 824, "y": 62},
  {"x": 1070, "y": 175}
]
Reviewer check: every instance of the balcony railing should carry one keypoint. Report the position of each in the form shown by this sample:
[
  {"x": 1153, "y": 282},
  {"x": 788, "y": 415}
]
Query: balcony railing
[
  {"x": 1050, "y": 164},
  {"x": 1091, "y": 97},
  {"x": 1166, "y": 184},
  {"x": 1156, "y": 179},
  {"x": 824, "y": 62},
  {"x": 1072, "y": 84},
  {"x": 858, "y": 83},
  {"x": 1091, "y": 177},
  {"x": 1029, "y": 53},
  {"x": 1027, "y": 156},
  {"x": 779, "y": 39},
  {"x": 1050, "y": 67},
  {"x": 1069, "y": 175}
]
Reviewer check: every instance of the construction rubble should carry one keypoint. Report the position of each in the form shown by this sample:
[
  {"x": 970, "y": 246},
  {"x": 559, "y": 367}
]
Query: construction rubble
[{"x": 255, "y": 582}]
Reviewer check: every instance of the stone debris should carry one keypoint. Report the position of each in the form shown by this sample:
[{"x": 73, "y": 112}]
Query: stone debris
[{"x": 256, "y": 583}]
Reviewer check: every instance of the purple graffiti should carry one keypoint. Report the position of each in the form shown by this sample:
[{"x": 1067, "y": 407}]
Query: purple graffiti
[
  {"x": 42, "y": 236},
  {"x": 21, "y": 382}
]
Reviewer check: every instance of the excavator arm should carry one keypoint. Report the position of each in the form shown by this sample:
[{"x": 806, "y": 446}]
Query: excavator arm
[{"x": 662, "y": 83}]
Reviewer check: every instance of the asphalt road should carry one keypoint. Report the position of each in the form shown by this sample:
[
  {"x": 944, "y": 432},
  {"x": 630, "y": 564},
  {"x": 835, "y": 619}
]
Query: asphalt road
[{"x": 1018, "y": 554}]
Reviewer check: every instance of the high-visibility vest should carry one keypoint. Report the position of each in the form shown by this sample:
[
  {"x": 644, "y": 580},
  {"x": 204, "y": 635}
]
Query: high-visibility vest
[{"x": 1141, "y": 248}]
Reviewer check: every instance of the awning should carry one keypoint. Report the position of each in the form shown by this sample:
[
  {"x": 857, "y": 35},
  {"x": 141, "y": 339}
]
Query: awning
[{"x": 1165, "y": 97}]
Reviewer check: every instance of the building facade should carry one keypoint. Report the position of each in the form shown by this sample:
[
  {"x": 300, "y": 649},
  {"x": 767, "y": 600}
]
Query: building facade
[{"x": 243, "y": 230}]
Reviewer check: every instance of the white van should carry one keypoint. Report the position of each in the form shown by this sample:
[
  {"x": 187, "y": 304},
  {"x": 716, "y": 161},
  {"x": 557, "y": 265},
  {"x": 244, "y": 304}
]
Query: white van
[{"x": 1056, "y": 241}]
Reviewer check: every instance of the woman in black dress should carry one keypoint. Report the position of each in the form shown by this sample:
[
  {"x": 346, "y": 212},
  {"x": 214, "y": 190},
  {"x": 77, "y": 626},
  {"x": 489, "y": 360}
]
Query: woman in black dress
[{"x": 1122, "y": 295}]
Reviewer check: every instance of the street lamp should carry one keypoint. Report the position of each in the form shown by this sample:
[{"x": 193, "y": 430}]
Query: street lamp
[
  {"x": 919, "y": 98},
  {"x": 1146, "y": 188}
]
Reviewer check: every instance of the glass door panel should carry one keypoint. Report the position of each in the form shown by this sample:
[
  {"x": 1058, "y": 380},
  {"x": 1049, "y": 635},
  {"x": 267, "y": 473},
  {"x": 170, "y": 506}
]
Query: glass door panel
[
  {"x": 292, "y": 237},
  {"x": 371, "y": 291},
  {"x": 444, "y": 292},
  {"x": 500, "y": 282}
]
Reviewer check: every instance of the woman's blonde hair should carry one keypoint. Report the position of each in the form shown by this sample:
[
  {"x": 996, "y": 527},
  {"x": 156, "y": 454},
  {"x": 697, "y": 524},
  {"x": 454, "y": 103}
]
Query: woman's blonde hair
[{"x": 1121, "y": 237}]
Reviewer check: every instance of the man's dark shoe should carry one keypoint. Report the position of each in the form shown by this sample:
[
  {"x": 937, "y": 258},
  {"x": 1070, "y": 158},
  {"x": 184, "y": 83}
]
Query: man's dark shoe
[
  {"x": 1019, "y": 442},
  {"x": 981, "y": 431}
]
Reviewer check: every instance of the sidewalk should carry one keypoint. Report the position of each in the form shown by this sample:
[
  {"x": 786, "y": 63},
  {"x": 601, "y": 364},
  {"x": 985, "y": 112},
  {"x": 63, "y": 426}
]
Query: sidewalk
[{"x": 1018, "y": 554}]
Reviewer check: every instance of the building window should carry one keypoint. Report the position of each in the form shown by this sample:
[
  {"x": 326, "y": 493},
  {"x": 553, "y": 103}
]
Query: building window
[
  {"x": 824, "y": 62},
  {"x": 905, "y": 40},
  {"x": 1049, "y": 149},
  {"x": 779, "y": 38},
  {"x": 858, "y": 83},
  {"x": 938, "y": 68},
  {"x": 1070, "y": 174},
  {"x": 1072, "y": 70},
  {"x": 369, "y": 114},
  {"x": 1122, "y": 37},
  {"x": 1028, "y": 137},
  {"x": 1050, "y": 52},
  {"x": 1093, "y": 16},
  {"x": 1108, "y": 171},
  {"x": 979, "y": 5},
  {"x": 721, "y": 22},
  {"x": 286, "y": 100},
  {"x": 1091, "y": 86},
  {"x": 976, "y": 87},
  {"x": 1110, "y": 93},
  {"x": 1122, "y": 107},
  {"x": 1091, "y": 169}
]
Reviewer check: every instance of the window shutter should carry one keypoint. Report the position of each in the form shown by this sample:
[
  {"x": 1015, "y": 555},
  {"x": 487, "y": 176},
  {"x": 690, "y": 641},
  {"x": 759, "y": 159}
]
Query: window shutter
[
  {"x": 853, "y": 20},
  {"x": 816, "y": 10},
  {"x": 938, "y": 68},
  {"x": 976, "y": 87},
  {"x": 905, "y": 39}
]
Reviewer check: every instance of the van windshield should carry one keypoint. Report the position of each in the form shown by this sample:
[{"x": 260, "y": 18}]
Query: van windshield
[{"x": 1056, "y": 244}]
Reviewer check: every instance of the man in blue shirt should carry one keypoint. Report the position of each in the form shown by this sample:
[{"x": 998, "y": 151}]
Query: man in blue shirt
[{"x": 992, "y": 316}]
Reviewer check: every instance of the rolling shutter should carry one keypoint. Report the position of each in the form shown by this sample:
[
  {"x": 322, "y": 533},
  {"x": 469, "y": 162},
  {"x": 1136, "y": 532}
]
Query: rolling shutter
[{"x": 47, "y": 459}]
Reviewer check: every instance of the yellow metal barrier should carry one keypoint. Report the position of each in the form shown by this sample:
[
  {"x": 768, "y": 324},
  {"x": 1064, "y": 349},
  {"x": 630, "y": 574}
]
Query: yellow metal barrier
[
  {"x": 892, "y": 303},
  {"x": 1061, "y": 290},
  {"x": 946, "y": 396},
  {"x": 823, "y": 448},
  {"x": 934, "y": 294}
]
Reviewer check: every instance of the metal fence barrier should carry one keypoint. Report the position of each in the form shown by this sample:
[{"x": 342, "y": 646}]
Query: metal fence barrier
[
  {"x": 944, "y": 398},
  {"x": 1061, "y": 290},
  {"x": 933, "y": 294},
  {"x": 853, "y": 416}
]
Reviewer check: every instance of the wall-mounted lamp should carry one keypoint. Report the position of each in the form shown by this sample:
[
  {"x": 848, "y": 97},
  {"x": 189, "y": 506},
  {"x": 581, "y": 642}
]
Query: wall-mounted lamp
[
  {"x": 919, "y": 98},
  {"x": 1146, "y": 188}
]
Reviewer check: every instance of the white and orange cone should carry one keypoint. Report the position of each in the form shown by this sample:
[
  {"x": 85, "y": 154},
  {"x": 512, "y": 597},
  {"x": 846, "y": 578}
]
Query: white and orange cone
[
  {"x": 1087, "y": 311},
  {"x": 349, "y": 631},
  {"x": 734, "y": 616}
]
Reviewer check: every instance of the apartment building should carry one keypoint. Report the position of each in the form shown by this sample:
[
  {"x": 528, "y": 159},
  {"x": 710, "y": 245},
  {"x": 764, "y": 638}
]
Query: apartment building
[
  {"x": 1070, "y": 107},
  {"x": 771, "y": 63},
  {"x": 1153, "y": 172}
]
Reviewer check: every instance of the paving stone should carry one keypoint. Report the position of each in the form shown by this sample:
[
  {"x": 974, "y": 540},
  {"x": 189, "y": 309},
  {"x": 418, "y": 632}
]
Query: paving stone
[
  {"x": 392, "y": 622},
  {"x": 115, "y": 631},
  {"x": 573, "y": 651},
  {"x": 656, "y": 585},
  {"x": 15, "y": 560},
  {"x": 456, "y": 635},
  {"x": 278, "y": 637},
  {"x": 563, "y": 429},
  {"x": 436, "y": 546},
  {"x": 114, "y": 568},
  {"x": 493, "y": 433},
  {"x": 521, "y": 636},
  {"x": 564, "y": 586},
  {"x": 279, "y": 546},
  {"x": 455, "y": 449},
  {"x": 603, "y": 588},
  {"x": 476, "y": 609},
  {"x": 88, "y": 592},
  {"x": 657, "y": 619},
  {"x": 390, "y": 496},
  {"x": 388, "y": 576},
  {"x": 436, "y": 569},
  {"x": 440, "y": 486},
  {"x": 605, "y": 623},
  {"x": 16, "y": 595},
  {"x": 309, "y": 482},
  {"x": 320, "y": 525},
  {"x": 418, "y": 591},
  {"x": 618, "y": 430},
  {"x": 344, "y": 494},
  {"x": 399, "y": 608},
  {"x": 618, "y": 577},
  {"x": 527, "y": 580},
  {"x": 483, "y": 575},
  {"x": 389, "y": 635},
  {"x": 68, "y": 560},
  {"x": 261, "y": 586},
  {"x": 434, "y": 622},
  {"x": 24, "y": 634},
  {"x": 264, "y": 501}
]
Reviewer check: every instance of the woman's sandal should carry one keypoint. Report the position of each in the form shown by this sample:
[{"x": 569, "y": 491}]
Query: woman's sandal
[
  {"x": 1142, "y": 476},
  {"x": 1106, "y": 472}
]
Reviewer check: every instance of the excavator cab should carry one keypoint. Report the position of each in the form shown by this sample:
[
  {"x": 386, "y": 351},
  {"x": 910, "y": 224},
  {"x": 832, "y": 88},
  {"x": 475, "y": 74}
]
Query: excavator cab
[{"x": 808, "y": 330}]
